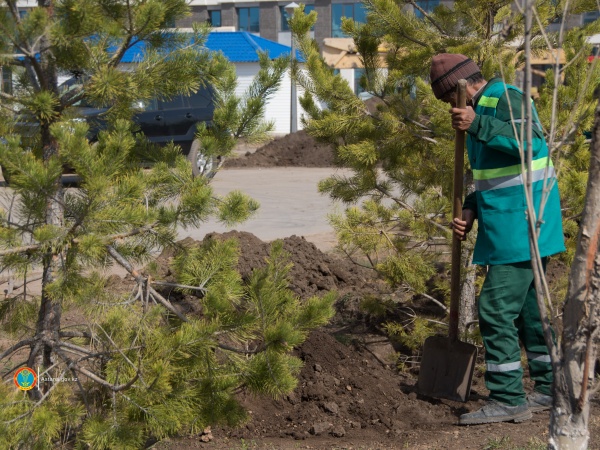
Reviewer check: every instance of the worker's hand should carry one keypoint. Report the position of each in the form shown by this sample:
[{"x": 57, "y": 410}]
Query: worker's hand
[
  {"x": 462, "y": 118},
  {"x": 462, "y": 227}
]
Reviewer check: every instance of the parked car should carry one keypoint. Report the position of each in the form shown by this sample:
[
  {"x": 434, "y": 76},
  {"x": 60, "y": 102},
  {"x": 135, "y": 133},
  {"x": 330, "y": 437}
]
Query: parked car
[
  {"x": 164, "y": 121},
  {"x": 161, "y": 121}
]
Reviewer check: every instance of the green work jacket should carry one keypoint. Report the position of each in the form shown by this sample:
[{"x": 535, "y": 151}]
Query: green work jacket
[{"x": 499, "y": 198}]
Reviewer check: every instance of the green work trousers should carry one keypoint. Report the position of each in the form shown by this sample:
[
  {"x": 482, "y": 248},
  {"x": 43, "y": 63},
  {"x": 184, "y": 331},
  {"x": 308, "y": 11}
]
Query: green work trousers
[{"x": 508, "y": 312}]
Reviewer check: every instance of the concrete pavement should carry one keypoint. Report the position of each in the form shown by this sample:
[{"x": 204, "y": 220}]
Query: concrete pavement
[{"x": 289, "y": 204}]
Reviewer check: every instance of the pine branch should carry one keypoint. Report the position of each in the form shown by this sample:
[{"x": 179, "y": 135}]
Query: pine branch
[
  {"x": 72, "y": 97},
  {"x": 411, "y": 209},
  {"x": 33, "y": 280},
  {"x": 8, "y": 34},
  {"x": 110, "y": 238},
  {"x": 430, "y": 19},
  {"x": 17, "y": 250},
  {"x": 116, "y": 59},
  {"x": 76, "y": 348},
  {"x": 121, "y": 353},
  {"x": 141, "y": 408},
  {"x": 259, "y": 349},
  {"x": 82, "y": 370},
  {"x": 429, "y": 297},
  {"x": 166, "y": 304},
  {"x": 13, "y": 368},
  {"x": 83, "y": 393},
  {"x": 140, "y": 279},
  {"x": 17, "y": 346},
  {"x": 179, "y": 286},
  {"x": 74, "y": 334},
  {"x": 8, "y": 97}
]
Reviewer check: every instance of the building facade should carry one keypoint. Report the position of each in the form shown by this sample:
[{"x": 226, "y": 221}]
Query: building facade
[{"x": 268, "y": 18}]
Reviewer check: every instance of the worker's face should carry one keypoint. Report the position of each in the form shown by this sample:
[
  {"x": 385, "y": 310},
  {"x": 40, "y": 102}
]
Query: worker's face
[{"x": 450, "y": 97}]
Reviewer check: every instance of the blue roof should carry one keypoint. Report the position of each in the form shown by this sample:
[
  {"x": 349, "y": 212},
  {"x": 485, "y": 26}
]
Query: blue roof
[{"x": 237, "y": 46}]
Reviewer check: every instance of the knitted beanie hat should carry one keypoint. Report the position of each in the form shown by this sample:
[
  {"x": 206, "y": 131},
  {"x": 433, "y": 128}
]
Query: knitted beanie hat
[{"x": 447, "y": 69}]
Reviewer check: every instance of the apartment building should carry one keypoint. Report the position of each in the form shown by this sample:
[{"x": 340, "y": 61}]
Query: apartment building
[{"x": 268, "y": 18}]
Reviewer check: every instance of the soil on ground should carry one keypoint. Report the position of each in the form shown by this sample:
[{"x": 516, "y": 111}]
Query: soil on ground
[
  {"x": 351, "y": 393},
  {"x": 293, "y": 150}
]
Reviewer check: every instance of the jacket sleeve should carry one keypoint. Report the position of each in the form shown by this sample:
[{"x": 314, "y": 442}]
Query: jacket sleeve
[
  {"x": 499, "y": 132},
  {"x": 471, "y": 202}
]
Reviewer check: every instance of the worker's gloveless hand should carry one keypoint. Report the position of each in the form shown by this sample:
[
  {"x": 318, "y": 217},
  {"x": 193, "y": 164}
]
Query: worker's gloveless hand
[
  {"x": 462, "y": 118},
  {"x": 462, "y": 227}
]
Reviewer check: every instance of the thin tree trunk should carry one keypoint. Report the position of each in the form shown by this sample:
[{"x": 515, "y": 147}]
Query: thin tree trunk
[
  {"x": 49, "y": 315},
  {"x": 467, "y": 314},
  {"x": 569, "y": 417}
]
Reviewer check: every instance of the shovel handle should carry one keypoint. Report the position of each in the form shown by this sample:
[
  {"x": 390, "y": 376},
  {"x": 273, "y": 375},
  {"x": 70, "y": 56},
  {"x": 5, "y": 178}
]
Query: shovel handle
[{"x": 459, "y": 161}]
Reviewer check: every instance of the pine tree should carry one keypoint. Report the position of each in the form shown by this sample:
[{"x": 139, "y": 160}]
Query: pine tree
[
  {"x": 399, "y": 149},
  {"x": 137, "y": 364}
]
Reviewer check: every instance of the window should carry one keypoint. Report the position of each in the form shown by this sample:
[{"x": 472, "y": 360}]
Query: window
[
  {"x": 214, "y": 18},
  {"x": 173, "y": 103},
  {"x": 355, "y": 11},
  {"x": 6, "y": 80},
  {"x": 358, "y": 73},
  {"x": 248, "y": 19},
  {"x": 201, "y": 99},
  {"x": 590, "y": 17},
  {"x": 426, "y": 5},
  {"x": 146, "y": 105},
  {"x": 284, "y": 16}
]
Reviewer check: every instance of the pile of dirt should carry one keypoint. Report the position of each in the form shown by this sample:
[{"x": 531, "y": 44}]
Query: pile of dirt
[
  {"x": 293, "y": 150},
  {"x": 313, "y": 271}
]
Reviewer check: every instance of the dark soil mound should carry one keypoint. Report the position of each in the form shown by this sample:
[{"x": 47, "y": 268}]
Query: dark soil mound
[
  {"x": 313, "y": 271},
  {"x": 344, "y": 393},
  {"x": 293, "y": 150}
]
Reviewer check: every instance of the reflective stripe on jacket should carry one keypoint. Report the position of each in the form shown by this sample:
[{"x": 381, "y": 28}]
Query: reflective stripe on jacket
[{"x": 499, "y": 197}]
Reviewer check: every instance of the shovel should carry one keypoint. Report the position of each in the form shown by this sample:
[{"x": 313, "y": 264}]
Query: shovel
[{"x": 447, "y": 364}]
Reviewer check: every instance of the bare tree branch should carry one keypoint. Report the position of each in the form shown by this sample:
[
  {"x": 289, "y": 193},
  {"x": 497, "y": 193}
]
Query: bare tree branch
[
  {"x": 429, "y": 18},
  {"x": 16, "y": 347},
  {"x": 142, "y": 280},
  {"x": 82, "y": 370}
]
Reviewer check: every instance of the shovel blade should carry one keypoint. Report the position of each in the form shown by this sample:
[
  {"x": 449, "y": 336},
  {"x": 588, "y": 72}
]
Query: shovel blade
[{"x": 447, "y": 368}]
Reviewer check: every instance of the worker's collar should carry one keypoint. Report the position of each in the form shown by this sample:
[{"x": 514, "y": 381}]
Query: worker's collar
[{"x": 476, "y": 95}]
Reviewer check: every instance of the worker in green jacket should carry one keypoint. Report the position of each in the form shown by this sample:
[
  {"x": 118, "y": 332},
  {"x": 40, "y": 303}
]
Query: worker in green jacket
[{"x": 508, "y": 310}]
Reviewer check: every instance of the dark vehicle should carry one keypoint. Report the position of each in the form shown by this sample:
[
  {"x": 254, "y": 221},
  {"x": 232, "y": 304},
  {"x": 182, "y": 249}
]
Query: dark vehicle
[
  {"x": 164, "y": 121},
  {"x": 161, "y": 121}
]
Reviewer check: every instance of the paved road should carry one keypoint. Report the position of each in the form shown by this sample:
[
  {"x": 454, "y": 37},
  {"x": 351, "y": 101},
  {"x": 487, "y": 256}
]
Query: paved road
[{"x": 289, "y": 204}]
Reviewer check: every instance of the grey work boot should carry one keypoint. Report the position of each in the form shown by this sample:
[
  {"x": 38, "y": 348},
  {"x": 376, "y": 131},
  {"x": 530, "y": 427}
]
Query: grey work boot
[
  {"x": 494, "y": 411},
  {"x": 539, "y": 402}
]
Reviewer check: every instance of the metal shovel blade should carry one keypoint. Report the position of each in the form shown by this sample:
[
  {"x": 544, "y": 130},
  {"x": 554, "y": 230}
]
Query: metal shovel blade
[{"x": 447, "y": 368}]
